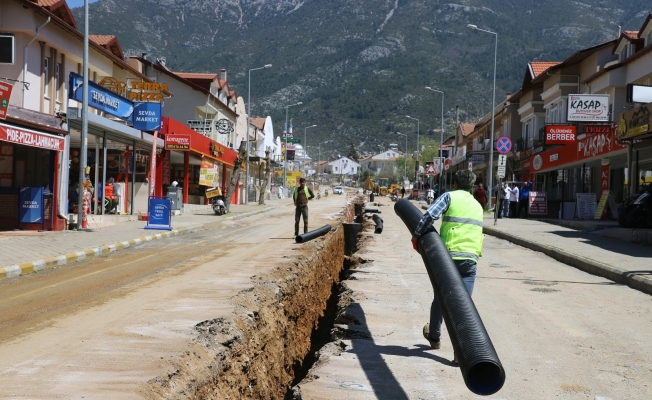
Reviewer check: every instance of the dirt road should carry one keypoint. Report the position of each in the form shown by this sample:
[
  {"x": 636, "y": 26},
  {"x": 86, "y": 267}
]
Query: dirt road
[
  {"x": 104, "y": 328},
  {"x": 559, "y": 332}
]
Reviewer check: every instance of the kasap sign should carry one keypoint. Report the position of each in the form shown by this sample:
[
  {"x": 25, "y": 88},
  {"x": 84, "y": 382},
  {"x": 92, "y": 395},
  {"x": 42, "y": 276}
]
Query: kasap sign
[{"x": 588, "y": 108}]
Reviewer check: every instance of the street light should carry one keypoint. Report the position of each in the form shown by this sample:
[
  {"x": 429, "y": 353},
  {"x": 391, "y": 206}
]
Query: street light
[
  {"x": 493, "y": 108},
  {"x": 285, "y": 160},
  {"x": 441, "y": 137},
  {"x": 416, "y": 172},
  {"x": 406, "y": 150},
  {"x": 248, "y": 122},
  {"x": 305, "y": 142}
]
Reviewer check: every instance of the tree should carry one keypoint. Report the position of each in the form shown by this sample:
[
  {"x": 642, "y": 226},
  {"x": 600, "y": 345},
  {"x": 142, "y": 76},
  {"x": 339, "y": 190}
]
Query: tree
[
  {"x": 353, "y": 154},
  {"x": 235, "y": 177}
]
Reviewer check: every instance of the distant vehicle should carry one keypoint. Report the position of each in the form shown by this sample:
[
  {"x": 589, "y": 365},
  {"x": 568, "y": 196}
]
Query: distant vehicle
[{"x": 338, "y": 190}]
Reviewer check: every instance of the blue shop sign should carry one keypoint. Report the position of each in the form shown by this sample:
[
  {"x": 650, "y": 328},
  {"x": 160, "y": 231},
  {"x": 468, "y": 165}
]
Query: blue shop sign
[
  {"x": 147, "y": 116},
  {"x": 31, "y": 205},
  {"x": 100, "y": 98},
  {"x": 159, "y": 213}
]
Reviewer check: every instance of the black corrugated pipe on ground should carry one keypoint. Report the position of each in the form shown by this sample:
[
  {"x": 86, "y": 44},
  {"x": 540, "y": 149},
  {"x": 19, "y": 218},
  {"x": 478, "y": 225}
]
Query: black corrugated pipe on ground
[
  {"x": 313, "y": 234},
  {"x": 372, "y": 210},
  {"x": 379, "y": 223},
  {"x": 358, "y": 208},
  {"x": 481, "y": 369}
]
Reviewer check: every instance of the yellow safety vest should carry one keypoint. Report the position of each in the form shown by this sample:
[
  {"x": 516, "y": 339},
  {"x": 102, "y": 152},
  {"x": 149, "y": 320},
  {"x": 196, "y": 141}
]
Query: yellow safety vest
[
  {"x": 461, "y": 227},
  {"x": 296, "y": 193}
]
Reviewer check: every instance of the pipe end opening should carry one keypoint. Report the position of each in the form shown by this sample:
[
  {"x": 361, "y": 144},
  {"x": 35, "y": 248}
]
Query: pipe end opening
[{"x": 485, "y": 378}]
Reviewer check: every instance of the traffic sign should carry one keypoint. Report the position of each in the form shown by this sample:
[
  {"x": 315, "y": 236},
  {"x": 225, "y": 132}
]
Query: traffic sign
[
  {"x": 431, "y": 170},
  {"x": 504, "y": 145},
  {"x": 501, "y": 172},
  {"x": 502, "y": 160},
  {"x": 292, "y": 140}
]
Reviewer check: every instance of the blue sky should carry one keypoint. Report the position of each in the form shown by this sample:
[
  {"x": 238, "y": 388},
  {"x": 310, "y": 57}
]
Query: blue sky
[{"x": 78, "y": 3}]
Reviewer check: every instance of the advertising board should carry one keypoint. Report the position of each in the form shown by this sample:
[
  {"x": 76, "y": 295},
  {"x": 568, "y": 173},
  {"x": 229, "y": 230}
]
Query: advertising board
[{"x": 588, "y": 108}]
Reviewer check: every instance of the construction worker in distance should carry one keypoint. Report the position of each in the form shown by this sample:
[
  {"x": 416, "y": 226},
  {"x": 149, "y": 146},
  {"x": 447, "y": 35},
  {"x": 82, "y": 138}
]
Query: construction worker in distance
[
  {"x": 301, "y": 195},
  {"x": 461, "y": 232}
]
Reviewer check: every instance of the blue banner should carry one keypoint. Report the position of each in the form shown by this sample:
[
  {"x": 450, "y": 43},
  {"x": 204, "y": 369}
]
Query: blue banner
[
  {"x": 159, "y": 213},
  {"x": 147, "y": 116},
  {"x": 31, "y": 205},
  {"x": 101, "y": 98}
]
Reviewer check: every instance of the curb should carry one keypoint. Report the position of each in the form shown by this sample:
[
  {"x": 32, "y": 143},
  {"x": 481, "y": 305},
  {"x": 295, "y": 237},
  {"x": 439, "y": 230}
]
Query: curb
[
  {"x": 593, "y": 267},
  {"x": 35, "y": 266}
]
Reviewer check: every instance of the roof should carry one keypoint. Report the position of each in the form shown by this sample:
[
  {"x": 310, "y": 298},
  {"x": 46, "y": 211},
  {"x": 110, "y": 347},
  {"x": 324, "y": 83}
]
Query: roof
[
  {"x": 631, "y": 34},
  {"x": 258, "y": 122},
  {"x": 59, "y": 8},
  {"x": 539, "y": 67},
  {"x": 109, "y": 42},
  {"x": 466, "y": 129},
  {"x": 197, "y": 75}
]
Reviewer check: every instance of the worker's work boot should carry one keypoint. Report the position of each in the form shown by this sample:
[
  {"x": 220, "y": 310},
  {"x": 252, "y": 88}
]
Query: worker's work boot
[{"x": 435, "y": 344}]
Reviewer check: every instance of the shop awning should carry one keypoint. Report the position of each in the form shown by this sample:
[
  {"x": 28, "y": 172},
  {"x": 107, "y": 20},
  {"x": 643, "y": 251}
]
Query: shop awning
[
  {"x": 98, "y": 126},
  {"x": 28, "y": 137}
]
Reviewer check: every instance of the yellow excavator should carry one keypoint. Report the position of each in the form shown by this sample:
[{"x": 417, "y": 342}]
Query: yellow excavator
[
  {"x": 383, "y": 186},
  {"x": 369, "y": 185}
]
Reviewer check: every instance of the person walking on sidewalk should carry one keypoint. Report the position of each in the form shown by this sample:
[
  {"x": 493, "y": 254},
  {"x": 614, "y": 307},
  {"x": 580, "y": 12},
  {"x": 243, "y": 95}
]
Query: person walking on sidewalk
[
  {"x": 507, "y": 192},
  {"x": 523, "y": 199},
  {"x": 480, "y": 195},
  {"x": 500, "y": 200},
  {"x": 513, "y": 201},
  {"x": 301, "y": 195},
  {"x": 463, "y": 215}
]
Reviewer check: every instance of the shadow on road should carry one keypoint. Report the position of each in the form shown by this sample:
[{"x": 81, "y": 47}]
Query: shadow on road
[
  {"x": 610, "y": 283},
  {"x": 608, "y": 244}
]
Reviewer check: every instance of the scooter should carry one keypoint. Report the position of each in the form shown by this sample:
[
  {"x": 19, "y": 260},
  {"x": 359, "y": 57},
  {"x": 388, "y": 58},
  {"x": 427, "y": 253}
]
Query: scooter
[
  {"x": 218, "y": 205},
  {"x": 430, "y": 197}
]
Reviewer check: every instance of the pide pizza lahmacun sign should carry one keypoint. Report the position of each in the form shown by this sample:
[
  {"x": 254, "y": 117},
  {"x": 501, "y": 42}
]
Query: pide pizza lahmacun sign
[{"x": 588, "y": 108}]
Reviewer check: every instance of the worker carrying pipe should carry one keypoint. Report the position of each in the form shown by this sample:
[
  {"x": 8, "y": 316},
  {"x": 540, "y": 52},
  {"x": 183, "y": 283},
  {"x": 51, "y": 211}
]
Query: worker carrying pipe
[{"x": 461, "y": 232}]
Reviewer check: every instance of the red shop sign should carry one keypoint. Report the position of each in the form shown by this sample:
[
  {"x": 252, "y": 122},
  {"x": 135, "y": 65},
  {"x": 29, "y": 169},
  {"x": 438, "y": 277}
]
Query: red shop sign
[
  {"x": 32, "y": 138},
  {"x": 179, "y": 142},
  {"x": 590, "y": 129},
  {"x": 560, "y": 134}
]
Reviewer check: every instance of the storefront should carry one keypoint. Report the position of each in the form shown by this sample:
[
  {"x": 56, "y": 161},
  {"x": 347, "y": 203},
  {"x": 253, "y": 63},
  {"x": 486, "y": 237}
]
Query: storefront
[
  {"x": 195, "y": 162},
  {"x": 115, "y": 150},
  {"x": 591, "y": 162},
  {"x": 635, "y": 129},
  {"x": 31, "y": 178}
]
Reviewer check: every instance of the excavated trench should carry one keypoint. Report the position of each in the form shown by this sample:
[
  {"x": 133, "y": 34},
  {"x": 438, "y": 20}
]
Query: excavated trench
[{"x": 280, "y": 328}]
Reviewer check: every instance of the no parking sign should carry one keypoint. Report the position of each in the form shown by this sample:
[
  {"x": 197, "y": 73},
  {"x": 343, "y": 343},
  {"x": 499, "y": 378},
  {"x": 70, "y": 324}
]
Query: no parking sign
[{"x": 504, "y": 145}]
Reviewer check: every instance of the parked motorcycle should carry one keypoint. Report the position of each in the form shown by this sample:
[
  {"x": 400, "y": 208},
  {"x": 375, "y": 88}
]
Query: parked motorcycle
[
  {"x": 218, "y": 205},
  {"x": 430, "y": 196},
  {"x": 636, "y": 210}
]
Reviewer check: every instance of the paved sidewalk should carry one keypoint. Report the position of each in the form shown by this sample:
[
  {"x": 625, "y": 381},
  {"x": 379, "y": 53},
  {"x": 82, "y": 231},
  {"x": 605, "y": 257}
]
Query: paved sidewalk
[
  {"x": 623, "y": 262},
  {"x": 25, "y": 252}
]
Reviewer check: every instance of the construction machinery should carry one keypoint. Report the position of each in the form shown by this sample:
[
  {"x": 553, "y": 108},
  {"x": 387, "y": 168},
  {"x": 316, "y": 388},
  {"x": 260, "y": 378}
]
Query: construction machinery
[
  {"x": 383, "y": 186},
  {"x": 369, "y": 185}
]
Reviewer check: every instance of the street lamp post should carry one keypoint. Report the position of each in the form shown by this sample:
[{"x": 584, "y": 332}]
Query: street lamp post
[
  {"x": 416, "y": 172},
  {"x": 248, "y": 122},
  {"x": 493, "y": 108},
  {"x": 285, "y": 159},
  {"x": 406, "y": 150},
  {"x": 441, "y": 137},
  {"x": 305, "y": 141}
]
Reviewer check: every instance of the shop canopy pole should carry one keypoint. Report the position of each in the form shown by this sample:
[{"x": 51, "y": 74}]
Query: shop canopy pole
[
  {"x": 97, "y": 173},
  {"x": 84, "y": 130},
  {"x": 104, "y": 153},
  {"x": 133, "y": 176}
]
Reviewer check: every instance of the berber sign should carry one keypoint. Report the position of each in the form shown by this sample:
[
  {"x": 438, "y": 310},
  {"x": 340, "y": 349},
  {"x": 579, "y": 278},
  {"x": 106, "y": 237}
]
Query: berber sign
[{"x": 560, "y": 134}]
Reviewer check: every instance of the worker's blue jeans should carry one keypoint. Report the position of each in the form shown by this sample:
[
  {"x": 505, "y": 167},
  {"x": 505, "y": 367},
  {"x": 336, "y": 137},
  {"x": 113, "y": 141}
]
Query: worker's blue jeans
[{"x": 467, "y": 269}]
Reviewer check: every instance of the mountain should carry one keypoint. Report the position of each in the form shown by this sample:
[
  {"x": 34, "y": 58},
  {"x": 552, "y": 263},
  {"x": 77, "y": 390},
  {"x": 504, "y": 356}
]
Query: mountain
[{"x": 360, "y": 66}]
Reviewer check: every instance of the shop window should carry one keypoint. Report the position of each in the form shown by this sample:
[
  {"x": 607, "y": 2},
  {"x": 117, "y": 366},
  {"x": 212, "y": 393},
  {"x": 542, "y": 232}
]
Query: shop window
[{"x": 46, "y": 76}]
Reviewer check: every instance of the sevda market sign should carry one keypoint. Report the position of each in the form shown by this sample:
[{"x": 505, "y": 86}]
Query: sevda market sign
[{"x": 144, "y": 116}]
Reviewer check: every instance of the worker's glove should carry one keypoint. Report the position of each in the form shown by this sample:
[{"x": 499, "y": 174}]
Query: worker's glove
[{"x": 415, "y": 244}]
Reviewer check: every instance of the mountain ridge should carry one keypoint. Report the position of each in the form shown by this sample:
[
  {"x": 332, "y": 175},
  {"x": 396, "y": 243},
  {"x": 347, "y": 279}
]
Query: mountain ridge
[{"x": 360, "y": 67}]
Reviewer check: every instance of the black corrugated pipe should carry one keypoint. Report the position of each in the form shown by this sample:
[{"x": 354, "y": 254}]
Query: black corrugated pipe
[
  {"x": 313, "y": 234},
  {"x": 379, "y": 223},
  {"x": 372, "y": 210},
  {"x": 481, "y": 369}
]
